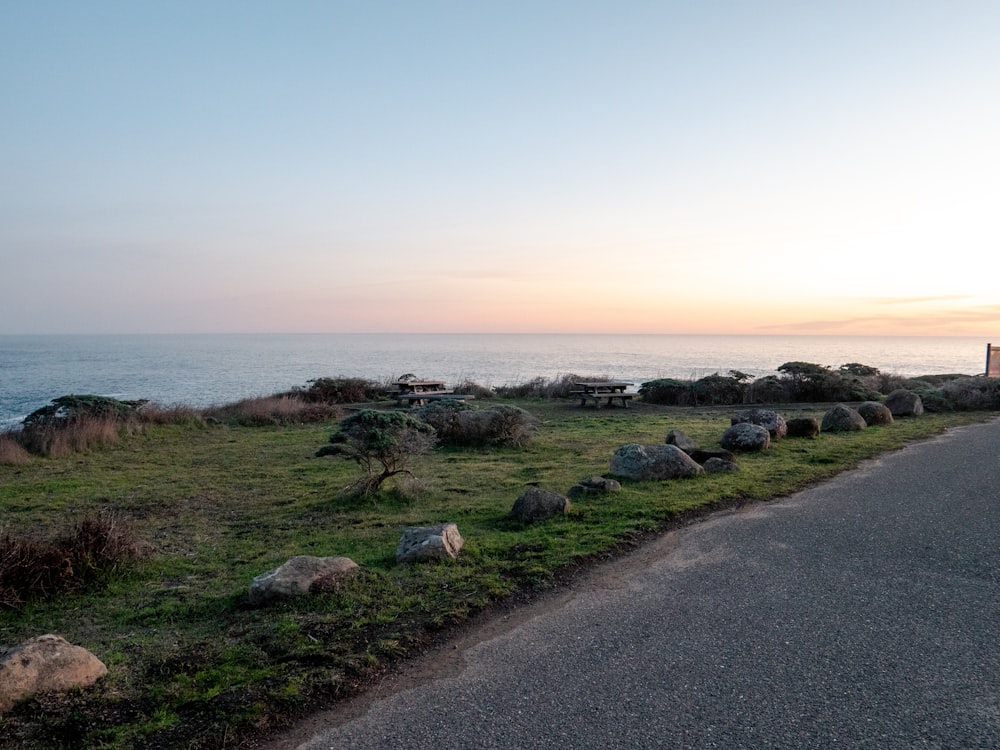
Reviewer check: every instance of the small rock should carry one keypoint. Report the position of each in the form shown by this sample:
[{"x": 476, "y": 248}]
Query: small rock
[
  {"x": 682, "y": 440},
  {"x": 716, "y": 465},
  {"x": 769, "y": 419},
  {"x": 805, "y": 427},
  {"x": 842, "y": 418},
  {"x": 303, "y": 574},
  {"x": 703, "y": 454},
  {"x": 744, "y": 436},
  {"x": 43, "y": 664},
  {"x": 653, "y": 462},
  {"x": 535, "y": 504},
  {"x": 418, "y": 543},
  {"x": 875, "y": 413},
  {"x": 595, "y": 486},
  {"x": 904, "y": 403}
]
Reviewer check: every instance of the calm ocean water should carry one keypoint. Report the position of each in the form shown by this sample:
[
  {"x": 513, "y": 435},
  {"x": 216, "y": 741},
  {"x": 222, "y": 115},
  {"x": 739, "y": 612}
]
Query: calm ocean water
[{"x": 202, "y": 370}]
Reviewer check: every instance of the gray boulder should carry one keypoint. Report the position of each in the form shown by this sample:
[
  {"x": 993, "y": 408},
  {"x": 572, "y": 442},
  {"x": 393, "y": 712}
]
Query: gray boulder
[
  {"x": 682, "y": 440},
  {"x": 418, "y": 543},
  {"x": 302, "y": 574},
  {"x": 875, "y": 413},
  {"x": 769, "y": 419},
  {"x": 904, "y": 403},
  {"x": 746, "y": 437},
  {"x": 807, "y": 427},
  {"x": 842, "y": 418},
  {"x": 44, "y": 664},
  {"x": 716, "y": 465},
  {"x": 595, "y": 486},
  {"x": 637, "y": 461},
  {"x": 536, "y": 504}
]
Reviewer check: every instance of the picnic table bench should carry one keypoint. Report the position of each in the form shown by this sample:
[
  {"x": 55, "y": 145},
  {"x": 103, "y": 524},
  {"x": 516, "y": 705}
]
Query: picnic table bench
[
  {"x": 602, "y": 392},
  {"x": 419, "y": 392}
]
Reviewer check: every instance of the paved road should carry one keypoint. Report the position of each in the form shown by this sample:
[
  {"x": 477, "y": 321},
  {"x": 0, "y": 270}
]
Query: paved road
[{"x": 863, "y": 613}]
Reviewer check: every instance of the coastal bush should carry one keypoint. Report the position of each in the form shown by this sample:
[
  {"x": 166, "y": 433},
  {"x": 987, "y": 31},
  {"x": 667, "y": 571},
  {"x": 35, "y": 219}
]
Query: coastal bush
[
  {"x": 470, "y": 388},
  {"x": 667, "y": 392},
  {"x": 274, "y": 410},
  {"x": 805, "y": 381},
  {"x": 717, "y": 389},
  {"x": 459, "y": 424},
  {"x": 98, "y": 548},
  {"x": 338, "y": 390},
  {"x": 560, "y": 387},
  {"x": 383, "y": 443},
  {"x": 971, "y": 393}
]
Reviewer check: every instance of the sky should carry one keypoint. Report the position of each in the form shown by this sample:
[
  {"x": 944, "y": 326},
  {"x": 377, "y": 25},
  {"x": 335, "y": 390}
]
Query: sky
[{"x": 500, "y": 166}]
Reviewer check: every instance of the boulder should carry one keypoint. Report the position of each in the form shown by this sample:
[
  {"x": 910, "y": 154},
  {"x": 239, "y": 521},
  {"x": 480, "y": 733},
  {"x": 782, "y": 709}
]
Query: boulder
[
  {"x": 535, "y": 504},
  {"x": 594, "y": 486},
  {"x": 875, "y": 413},
  {"x": 682, "y": 440},
  {"x": 744, "y": 436},
  {"x": 653, "y": 462},
  {"x": 418, "y": 543},
  {"x": 702, "y": 455},
  {"x": 806, "y": 427},
  {"x": 769, "y": 419},
  {"x": 904, "y": 403},
  {"x": 842, "y": 418},
  {"x": 44, "y": 664},
  {"x": 302, "y": 574},
  {"x": 717, "y": 465}
]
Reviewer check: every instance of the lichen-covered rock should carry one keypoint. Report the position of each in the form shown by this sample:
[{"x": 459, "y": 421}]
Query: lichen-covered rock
[
  {"x": 904, "y": 403},
  {"x": 440, "y": 542},
  {"x": 769, "y": 419},
  {"x": 842, "y": 418},
  {"x": 747, "y": 437},
  {"x": 716, "y": 465},
  {"x": 662, "y": 461},
  {"x": 302, "y": 574},
  {"x": 803, "y": 427},
  {"x": 595, "y": 486},
  {"x": 44, "y": 664},
  {"x": 875, "y": 413},
  {"x": 535, "y": 504},
  {"x": 682, "y": 440}
]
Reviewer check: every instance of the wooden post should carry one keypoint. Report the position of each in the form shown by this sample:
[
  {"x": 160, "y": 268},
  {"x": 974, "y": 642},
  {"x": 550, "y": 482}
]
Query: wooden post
[{"x": 992, "y": 361}]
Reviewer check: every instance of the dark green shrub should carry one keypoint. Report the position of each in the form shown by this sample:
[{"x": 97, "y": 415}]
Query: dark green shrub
[
  {"x": 66, "y": 409},
  {"x": 767, "y": 390},
  {"x": 667, "y": 391},
  {"x": 338, "y": 391},
  {"x": 971, "y": 393},
  {"x": 382, "y": 443},
  {"x": 805, "y": 381},
  {"x": 716, "y": 390},
  {"x": 460, "y": 425}
]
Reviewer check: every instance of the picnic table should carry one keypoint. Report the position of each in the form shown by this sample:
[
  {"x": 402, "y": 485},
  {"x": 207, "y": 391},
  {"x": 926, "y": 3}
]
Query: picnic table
[
  {"x": 419, "y": 392},
  {"x": 605, "y": 392}
]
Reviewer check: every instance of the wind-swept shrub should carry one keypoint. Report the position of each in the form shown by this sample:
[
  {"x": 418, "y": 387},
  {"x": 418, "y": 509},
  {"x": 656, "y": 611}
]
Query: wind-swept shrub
[
  {"x": 338, "y": 391},
  {"x": 470, "y": 388},
  {"x": 806, "y": 381},
  {"x": 560, "y": 387},
  {"x": 668, "y": 392},
  {"x": 459, "y": 424},
  {"x": 383, "y": 443},
  {"x": 971, "y": 393}
]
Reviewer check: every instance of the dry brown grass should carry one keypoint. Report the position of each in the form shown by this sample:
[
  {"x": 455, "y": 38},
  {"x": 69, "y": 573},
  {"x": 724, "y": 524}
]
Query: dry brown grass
[
  {"x": 12, "y": 453},
  {"x": 76, "y": 435},
  {"x": 274, "y": 410}
]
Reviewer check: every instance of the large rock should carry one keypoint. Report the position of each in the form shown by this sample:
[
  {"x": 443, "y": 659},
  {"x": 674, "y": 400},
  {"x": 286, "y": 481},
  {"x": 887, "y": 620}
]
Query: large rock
[
  {"x": 842, "y": 418},
  {"x": 682, "y": 440},
  {"x": 637, "y": 461},
  {"x": 875, "y": 413},
  {"x": 717, "y": 465},
  {"x": 746, "y": 437},
  {"x": 535, "y": 504},
  {"x": 807, "y": 427},
  {"x": 595, "y": 486},
  {"x": 904, "y": 403},
  {"x": 418, "y": 543},
  {"x": 302, "y": 574},
  {"x": 769, "y": 419},
  {"x": 44, "y": 664}
]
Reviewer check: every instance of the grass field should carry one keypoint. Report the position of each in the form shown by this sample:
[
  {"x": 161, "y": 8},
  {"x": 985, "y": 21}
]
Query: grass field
[{"x": 193, "y": 665}]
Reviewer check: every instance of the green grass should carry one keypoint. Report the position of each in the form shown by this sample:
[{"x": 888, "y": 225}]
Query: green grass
[{"x": 193, "y": 665}]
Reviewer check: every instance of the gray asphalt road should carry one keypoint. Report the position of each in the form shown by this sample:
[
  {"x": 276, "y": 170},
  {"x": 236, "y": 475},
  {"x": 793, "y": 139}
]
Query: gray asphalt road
[{"x": 863, "y": 613}]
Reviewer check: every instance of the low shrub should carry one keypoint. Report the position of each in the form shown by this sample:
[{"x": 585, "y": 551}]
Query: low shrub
[
  {"x": 459, "y": 424},
  {"x": 338, "y": 390},
  {"x": 668, "y": 392},
  {"x": 152, "y": 413},
  {"x": 274, "y": 410},
  {"x": 971, "y": 393},
  {"x": 98, "y": 548},
  {"x": 469, "y": 388},
  {"x": 560, "y": 387}
]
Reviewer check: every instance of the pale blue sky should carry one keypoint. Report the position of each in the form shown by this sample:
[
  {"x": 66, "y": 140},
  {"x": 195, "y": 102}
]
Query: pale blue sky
[{"x": 500, "y": 166}]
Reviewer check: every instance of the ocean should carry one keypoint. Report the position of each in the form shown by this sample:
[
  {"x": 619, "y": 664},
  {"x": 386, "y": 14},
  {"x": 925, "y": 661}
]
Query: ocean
[{"x": 209, "y": 369}]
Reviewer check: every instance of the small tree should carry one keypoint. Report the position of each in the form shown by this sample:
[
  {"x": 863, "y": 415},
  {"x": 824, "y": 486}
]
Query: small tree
[{"x": 382, "y": 442}]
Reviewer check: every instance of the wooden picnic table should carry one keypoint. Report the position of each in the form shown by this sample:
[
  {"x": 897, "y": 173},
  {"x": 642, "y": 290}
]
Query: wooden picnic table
[
  {"x": 419, "y": 392},
  {"x": 603, "y": 391}
]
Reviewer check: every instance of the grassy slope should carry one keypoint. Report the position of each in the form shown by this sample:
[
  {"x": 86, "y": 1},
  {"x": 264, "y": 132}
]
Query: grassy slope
[{"x": 191, "y": 665}]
